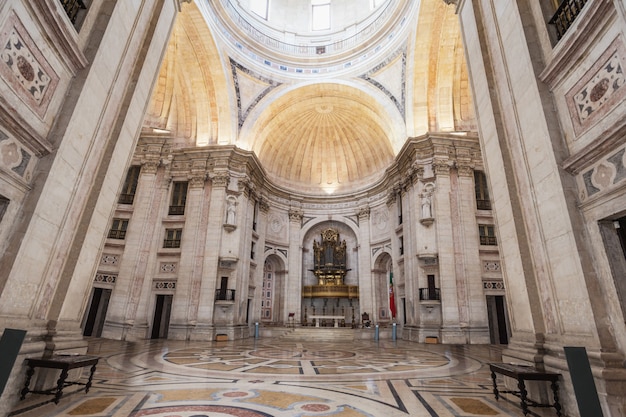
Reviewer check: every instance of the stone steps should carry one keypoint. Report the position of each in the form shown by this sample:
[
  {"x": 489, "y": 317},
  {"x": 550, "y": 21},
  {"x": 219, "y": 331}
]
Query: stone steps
[{"x": 317, "y": 334}]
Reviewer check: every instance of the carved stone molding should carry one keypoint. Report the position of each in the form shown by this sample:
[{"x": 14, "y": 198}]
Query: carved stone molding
[
  {"x": 363, "y": 213},
  {"x": 465, "y": 170},
  {"x": 197, "y": 181},
  {"x": 441, "y": 167},
  {"x": 219, "y": 179},
  {"x": 264, "y": 205},
  {"x": 149, "y": 166},
  {"x": 295, "y": 215}
]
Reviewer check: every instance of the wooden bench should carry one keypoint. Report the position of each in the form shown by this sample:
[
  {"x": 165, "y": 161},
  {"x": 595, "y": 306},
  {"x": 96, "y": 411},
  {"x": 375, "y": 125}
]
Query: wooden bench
[
  {"x": 64, "y": 363},
  {"x": 526, "y": 373}
]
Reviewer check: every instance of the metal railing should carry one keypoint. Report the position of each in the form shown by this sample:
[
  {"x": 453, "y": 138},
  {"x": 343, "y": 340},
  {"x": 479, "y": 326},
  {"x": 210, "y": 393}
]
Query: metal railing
[
  {"x": 430, "y": 294},
  {"x": 364, "y": 32},
  {"x": 177, "y": 210},
  {"x": 171, "y": 243},
  {"x": 483, "y": 204},
  {"x": 72, "y": 7},
  {"x": 565, "y": 15},
  {"x": 117, "y": 234},
  {"x": 126, "y": 198},
  {"x": 488, "y": 240},
  {"x": 223, "y": 294}
]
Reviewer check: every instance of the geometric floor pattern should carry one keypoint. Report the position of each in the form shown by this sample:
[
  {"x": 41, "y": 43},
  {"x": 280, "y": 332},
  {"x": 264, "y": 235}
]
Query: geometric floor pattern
[{"x": 262, "y": 377}]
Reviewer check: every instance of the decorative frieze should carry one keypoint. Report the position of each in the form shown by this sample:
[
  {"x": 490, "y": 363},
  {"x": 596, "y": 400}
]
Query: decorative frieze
[
  {"x": 604, "y": 175},
  {"x": 491, "y": 266},
  {"x": 108, "y": 259},
  {"x": 105, "y": 278},
  {"x": 24, "y": 68},
  {"x": 168, "y": 267},
  {"x": 164, "y": 285},
  {"x": 600, "y": 89},
  {"x": 14, "y": 157},
  {"x": 493, "y": 285}
]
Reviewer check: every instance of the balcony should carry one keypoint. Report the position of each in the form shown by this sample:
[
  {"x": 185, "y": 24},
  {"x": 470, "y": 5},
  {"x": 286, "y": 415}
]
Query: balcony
[
  {"x": 117, "y": 234},
  {"x": 430, "y": 294},
  {"x": 483, "y": 204},
  {"x": 176, "y": 210},
  {"x": 126, "y": 199},
  {"x": 565, "y": 15},
  {"x": 223, "y": 294},
  {"x": 488, "y": 241},
  {"x": 72, "y": 7}
]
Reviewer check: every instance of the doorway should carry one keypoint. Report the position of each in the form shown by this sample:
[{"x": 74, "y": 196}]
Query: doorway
[
  {"x": 97, "y": 312},
  {"x": 498, "y": 323},
  {"x": 161, "y": 322}
]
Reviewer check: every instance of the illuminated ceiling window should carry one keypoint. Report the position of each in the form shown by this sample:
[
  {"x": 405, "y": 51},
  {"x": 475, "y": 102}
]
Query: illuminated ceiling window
[
  {"x": 377, "y": 3},
  {"x": 320, "y": 14},
  {"x": 260, "y": 7}
]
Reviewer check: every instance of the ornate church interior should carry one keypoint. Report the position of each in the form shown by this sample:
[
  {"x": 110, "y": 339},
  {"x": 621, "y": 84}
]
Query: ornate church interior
[{"x": 312, "y": 208}]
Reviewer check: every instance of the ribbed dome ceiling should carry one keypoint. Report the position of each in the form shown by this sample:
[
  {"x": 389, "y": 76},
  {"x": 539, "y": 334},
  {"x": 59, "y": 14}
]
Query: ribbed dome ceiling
[{"x": 324, "y": 137}]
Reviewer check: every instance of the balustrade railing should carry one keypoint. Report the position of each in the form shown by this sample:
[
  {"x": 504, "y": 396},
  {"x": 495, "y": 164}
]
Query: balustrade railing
[
  {"x": 483, "y": 204},
  {"x": 72, "y": 7},
  {"x": 363, "y": 33},
  {"x": 222, "y": 294},
  {"x": 430, "y": 294},
  {"x": 565, "y": 15}
]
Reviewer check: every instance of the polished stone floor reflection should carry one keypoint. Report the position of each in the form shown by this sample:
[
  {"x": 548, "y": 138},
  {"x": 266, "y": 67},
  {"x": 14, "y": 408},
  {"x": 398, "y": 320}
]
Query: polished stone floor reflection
[{"x": 277, "y": 377}]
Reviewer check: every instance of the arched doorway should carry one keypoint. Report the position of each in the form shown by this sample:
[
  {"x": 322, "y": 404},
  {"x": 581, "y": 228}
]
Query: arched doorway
[{"x": 272, "y": 290}]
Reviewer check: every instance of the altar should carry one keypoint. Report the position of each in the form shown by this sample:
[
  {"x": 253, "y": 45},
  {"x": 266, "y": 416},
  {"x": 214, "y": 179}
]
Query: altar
[{"x": 317, "y": 319}]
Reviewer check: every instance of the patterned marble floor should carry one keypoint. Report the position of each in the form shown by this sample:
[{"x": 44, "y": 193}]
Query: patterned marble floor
[{"x": 267, "y": 377}]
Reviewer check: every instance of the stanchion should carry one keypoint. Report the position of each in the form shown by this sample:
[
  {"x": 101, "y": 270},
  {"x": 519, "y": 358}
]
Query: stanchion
[
  {"x": 393, "y": 332},
  {"x": 376, "y": 333},
  {"x": 256, "y": 330}
]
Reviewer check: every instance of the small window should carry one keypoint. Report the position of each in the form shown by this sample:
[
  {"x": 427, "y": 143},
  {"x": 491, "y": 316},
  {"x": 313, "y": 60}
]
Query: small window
[
  {"x": 252, "y": 250},
  {"x": 487, "y": 234},
  {"x": 179, "y": 198},
  {"x": 4, "y": 205},
  {"x": 401, "y": 245},
  {"x": 127, "y": 196},
  {"x": 172, "y": 238},
  {"x": 482, "y": 192},
  {"x": 118, "y": 229},
  {"x": 399, "y": 204},
  {"x": 320, "y": 14},
  {"x": 260, "y": 8}
]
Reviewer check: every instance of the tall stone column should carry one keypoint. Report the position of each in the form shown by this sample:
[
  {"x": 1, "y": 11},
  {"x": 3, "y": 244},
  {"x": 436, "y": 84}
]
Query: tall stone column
[
  {"x": 138, "y": 244},
  {"x": 450, "y": 331},
  {"x": 472, "y": 303},
  {"x": 189, "y": 274},
  {"x": 367, "y": 296},
  {"x": 293, "y": 286},
  {"x": 204, "y": 329}
]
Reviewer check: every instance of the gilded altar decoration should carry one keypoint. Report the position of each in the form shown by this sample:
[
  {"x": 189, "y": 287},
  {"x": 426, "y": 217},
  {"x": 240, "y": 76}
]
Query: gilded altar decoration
[{"x": 329, "y": 268}]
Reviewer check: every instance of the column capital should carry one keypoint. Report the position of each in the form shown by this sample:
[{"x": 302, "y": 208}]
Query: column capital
[
  {"x": 149, "y": 166},
  {"x": 197, "y": 181},
  {"x": 465, "y": 170},
  {"x": 441, "y": 167},
  {"x": 295, "y": 215},
  {"x": 219, "y": 179},
  {"x": 363, "y": 213}
]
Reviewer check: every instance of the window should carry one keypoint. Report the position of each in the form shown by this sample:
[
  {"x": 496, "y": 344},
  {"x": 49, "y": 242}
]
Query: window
[
  {"x": 255, "y": 215},
  {"x": 252, "y": 250},
  {"x": 399, "y": 204},
  {"x": 127, "y": 196},
  {"x": 401, "y": 245},
  {"x": 172, "y": 238},
  {"x": 179, "y": 198},
  {"x": 4, "y": 205},
  {"x": 482, "y": 192},
  {"x": 118, "y": 229},
  {"x": 320, "y": 14},
  {"x": 260, "y": 7},
  {"x": 565, "y": 15},
  {"x": 487, "y": 234}
]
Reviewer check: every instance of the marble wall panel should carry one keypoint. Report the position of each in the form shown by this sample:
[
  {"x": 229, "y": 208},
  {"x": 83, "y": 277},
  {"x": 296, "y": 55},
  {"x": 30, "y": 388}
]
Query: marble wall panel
[{"x": 24, "y": 68}]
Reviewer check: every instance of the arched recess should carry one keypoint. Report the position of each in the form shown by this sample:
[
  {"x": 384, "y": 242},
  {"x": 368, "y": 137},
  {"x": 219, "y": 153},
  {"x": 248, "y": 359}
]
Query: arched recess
[
  {"x": 346, "y": 306},
  {"x": 271, "y": 302},
  {"x": 383, "y": 266}
]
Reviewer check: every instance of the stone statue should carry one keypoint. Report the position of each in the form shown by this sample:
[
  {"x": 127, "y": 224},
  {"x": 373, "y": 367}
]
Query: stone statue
[
  {"x": 230, "y": 212},
  {"x": 426, "y": 208}
]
